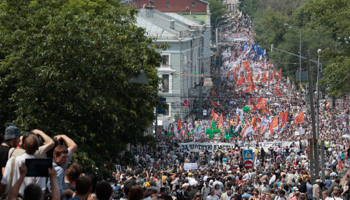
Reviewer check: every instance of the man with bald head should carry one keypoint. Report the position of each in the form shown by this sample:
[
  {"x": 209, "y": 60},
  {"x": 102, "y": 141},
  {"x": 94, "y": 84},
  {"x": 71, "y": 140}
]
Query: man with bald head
[{"x": 31, "y": 144}]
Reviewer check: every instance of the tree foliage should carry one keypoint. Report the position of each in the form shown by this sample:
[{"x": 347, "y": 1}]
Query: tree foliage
[
  {"x": 217, "y": 8},
  {"x": 323, "y": 24},
  {"x": 65, "y": 66}
]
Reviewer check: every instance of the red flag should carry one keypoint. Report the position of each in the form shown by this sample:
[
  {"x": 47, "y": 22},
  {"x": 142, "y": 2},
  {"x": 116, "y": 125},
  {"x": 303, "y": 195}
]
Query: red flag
[
  {"x": 240, "y": 81},
  {"x": 259, "y": 99},
  {"x": 340, "y": 165},
  {"x": 252, "y": 84},
  {"x": 234, "y": 76},
  {"x": 228, "y": 74},
  {"x": 237, "y": 120},
  {"x": 273, "y": 124},
  {"x": 280, "y": 74},
  {"x": 277, "y": 92},
  {"x": 299, "y": 119},
  {"x": 220, "y": 122},
  {"x": 215, "y": 105}
]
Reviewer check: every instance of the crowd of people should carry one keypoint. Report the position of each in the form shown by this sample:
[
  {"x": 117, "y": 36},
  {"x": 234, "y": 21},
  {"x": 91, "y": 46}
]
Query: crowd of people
[{"x": 255, "y": 107}]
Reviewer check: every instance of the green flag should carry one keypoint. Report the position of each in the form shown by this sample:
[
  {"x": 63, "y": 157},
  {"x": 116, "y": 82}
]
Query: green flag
[
  {"x": 169, "y": 134},
  {"x": 246, "y": 109}
]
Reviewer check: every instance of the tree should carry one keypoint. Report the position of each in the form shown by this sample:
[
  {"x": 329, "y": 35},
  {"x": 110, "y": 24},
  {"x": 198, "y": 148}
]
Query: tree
[
  {"x": 217, "y": 8},
  {"x": 335, "y": 15},
  {"x": 65, "y": 66}
]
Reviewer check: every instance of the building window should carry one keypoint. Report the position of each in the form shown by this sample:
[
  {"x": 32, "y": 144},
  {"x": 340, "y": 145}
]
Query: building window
[
  {"x": 165, "y": 83},
  {"x": 165, "y": 60},
  {"x": 167, "y": 4},
  {"x": 193, "y": 4}
]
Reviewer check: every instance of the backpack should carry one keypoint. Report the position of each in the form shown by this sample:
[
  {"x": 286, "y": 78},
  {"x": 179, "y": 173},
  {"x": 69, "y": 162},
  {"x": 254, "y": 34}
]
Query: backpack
[{"x": 179, "y": 195}]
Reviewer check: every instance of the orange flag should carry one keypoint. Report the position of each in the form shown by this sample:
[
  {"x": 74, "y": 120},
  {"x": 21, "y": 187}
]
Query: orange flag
[
  {"x": 273, "y": 124},
  {"x": 212, "y": 92},
  {"x": 249, "y": 77},
  {"x": 246, "y": 65},
  {"x": 328, "y": 104},
  {"x": 277, "y": 92},
  {"x": 213, "y": 114},
  {"x": 228, "y": 74},
  {"x": 215, "y": 105},
  {"x": 284, "y": 118},
  {"x": 254, "y": 122},
  {"x": 237, "y": 120},
  {"x": 256, "y": 77},
  {"x": 179, "y": 125},
  {"x": 264, "y": 77},
  {"x": 281, "y": 114},
  {"x": 299, "y": 119},
  {"x": 265, "y": 110},
  {"x": 248, "y": 90},
  {"x": 245, "y": 128},
  {"x": 220, "y": 122},
  {"x": 261, "y": 104}
]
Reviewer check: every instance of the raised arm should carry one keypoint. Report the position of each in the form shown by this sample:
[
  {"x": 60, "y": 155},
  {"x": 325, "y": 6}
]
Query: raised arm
[
  {"x": 55, "y": 191},
  {"x": 70, "y": 143},
  {"x": 15, "y": 189},
  {"x": 49, "y": 144}
]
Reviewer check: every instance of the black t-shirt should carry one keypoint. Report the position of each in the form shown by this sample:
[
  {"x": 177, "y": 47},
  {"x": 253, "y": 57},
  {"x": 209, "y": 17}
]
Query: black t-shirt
[
  {"x": 4, "y": 150},
  {"x": 238, "y": 196}
]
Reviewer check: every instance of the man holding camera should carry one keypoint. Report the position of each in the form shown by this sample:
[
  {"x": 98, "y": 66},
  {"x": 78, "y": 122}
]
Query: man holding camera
[
  {"x": 41, "y": 152},
  {"x": 62, "y": 156}
]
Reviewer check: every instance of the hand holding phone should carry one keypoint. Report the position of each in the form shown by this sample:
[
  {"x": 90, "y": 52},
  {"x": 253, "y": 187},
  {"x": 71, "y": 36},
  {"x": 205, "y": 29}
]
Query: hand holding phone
[{"x": 38, "y": 167}]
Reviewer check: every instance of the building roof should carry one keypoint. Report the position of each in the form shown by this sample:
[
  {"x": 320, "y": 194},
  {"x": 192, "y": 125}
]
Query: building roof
[
  {"x": 184, "y": 19},
  {"x": 157, "y": 24}
]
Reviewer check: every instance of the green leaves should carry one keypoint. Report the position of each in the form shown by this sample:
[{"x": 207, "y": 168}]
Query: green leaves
[{"x": 65, "y": 70}]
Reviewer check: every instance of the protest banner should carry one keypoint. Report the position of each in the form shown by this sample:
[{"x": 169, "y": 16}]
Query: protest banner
[
  {"x": 267, "y": 145},
  {"x": 190, "y": 166},
  {"x": 194, "y": 146}
]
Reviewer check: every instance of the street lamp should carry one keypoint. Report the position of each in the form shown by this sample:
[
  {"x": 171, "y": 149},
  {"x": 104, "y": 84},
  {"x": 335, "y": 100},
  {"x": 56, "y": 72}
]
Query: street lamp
[
  {"x": 285, "y": 24},
  {"x": 318, "y": 91}
]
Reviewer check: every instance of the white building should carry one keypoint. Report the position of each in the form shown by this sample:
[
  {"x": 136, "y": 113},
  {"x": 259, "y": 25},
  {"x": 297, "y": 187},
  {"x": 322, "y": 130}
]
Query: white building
[{"x": 188, "y": 53}]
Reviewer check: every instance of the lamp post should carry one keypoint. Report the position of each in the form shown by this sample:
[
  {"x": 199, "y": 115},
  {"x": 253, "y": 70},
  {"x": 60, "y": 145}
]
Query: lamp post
[
  {"x": 216, "y": 27},
  {"x": 299, "y": 48},
  {"x": 219, "y": 56},
  {"x": 318, "y": 93}
]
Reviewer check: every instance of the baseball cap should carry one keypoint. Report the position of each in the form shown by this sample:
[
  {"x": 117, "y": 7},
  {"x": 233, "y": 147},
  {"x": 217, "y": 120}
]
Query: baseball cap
[{"x": 12, "y": 132}]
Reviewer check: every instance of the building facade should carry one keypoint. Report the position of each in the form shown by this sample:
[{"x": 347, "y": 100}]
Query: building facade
[{"x": 188, "y": 54}]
